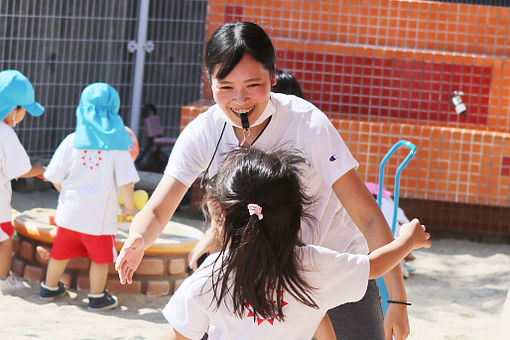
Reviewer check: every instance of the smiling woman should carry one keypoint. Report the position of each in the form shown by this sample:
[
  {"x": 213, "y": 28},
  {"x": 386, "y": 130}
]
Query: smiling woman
[
  {"x": 240, "y": 62},
  {"x": 242, "y": 73}
]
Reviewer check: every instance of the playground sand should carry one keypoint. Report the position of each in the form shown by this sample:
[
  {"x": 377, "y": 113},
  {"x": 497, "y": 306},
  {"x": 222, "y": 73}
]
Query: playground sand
[{"x": 457, "y": 291}]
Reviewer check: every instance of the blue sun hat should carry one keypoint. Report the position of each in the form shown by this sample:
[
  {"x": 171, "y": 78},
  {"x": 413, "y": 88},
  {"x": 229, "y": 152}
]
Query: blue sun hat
[
  {"x": 17, "y": 90},
  {"x": 98, "y": 126}
]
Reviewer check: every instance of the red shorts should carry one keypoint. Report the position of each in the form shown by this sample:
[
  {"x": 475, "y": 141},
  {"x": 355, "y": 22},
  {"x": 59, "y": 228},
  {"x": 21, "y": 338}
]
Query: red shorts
[
  {"x": 6, "y": 231},
  {"x": 69, "y": 244}
]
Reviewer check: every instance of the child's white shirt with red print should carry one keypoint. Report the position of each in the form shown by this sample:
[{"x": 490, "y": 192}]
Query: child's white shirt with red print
[
  {"x": 14, "y": 162},
  {"x": 89, "y": 179},
  {"x": 338, "y": 278}
]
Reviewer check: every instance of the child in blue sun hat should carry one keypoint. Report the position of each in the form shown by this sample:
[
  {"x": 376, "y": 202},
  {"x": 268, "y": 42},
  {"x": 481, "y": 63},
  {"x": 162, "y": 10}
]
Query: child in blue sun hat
[
  {"x": 16, "y": 98},
  {"x": 89, "y": 168}
]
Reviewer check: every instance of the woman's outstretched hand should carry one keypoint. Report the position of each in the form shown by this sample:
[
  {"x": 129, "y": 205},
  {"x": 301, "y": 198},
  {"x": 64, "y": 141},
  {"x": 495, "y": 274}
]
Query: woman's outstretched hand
[{"x": 130, "y": 257}]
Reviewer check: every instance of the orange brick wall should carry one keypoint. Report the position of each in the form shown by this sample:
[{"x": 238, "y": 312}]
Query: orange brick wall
[
  {"x": 459, "y": 37},
  {"x": 384, "y": 71}
]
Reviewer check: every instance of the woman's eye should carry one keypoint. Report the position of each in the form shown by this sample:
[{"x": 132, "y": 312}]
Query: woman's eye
[
  {"x": 225, "y": 87},
  {"x": 253, "y": 85}
]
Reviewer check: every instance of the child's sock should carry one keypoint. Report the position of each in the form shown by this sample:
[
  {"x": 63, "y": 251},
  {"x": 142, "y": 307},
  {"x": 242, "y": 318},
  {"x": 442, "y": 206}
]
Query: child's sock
[
  {"x": 53, "y": 289},
  {"x": 100, "y": 295}
]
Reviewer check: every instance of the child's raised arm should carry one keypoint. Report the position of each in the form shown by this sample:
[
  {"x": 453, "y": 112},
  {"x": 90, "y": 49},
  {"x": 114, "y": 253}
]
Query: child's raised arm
[{"x": 412, "y": 236}]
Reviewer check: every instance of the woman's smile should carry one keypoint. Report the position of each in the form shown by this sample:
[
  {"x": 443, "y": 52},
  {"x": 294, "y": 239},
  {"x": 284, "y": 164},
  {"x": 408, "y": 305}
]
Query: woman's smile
[{"x": 238, "y": 112}]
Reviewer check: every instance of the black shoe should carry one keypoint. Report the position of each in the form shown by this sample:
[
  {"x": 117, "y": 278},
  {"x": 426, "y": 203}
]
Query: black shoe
[
  {"x": 107, "y": 301},
  {"x": 50, "y": 295}
]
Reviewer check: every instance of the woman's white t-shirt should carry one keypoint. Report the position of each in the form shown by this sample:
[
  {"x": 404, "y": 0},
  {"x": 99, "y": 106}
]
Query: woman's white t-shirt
[
  {"x": 14, "y": 162},
  {"x": 294, "y": 122},
  {"x": 338, "y": 278},
  {"x": 89, "y": 179}
]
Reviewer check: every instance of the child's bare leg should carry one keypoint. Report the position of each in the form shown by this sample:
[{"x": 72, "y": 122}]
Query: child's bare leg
[
  {"x": 5, "y": 258},
  {"x": 325, "y": 330},
  {"x": 98, "y": 274},
  {"x": 54, "y": 272}
]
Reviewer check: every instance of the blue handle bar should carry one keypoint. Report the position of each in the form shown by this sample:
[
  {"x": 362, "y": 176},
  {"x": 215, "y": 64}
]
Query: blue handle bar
[{"x": 412, "y": 151}]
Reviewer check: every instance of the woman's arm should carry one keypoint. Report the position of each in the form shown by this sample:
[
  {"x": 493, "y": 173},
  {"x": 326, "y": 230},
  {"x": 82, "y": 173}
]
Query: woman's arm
[
  {"x": 364, "y": 211},
  {"x": 148, "y": 224}
]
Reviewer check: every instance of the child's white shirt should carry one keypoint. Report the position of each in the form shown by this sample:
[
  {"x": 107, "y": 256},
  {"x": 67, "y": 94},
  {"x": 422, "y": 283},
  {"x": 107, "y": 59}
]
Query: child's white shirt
[
  {"x": 294, "y": 122},
  {"x": 14, "y": 162},
  {"x": 338, "y": 278},
  {"x": 89, "y": 179}
]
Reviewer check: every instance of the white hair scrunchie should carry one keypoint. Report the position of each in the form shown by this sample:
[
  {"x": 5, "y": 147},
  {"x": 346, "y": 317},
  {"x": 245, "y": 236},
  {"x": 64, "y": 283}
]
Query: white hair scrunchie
[{"x": 255, "y": 209}]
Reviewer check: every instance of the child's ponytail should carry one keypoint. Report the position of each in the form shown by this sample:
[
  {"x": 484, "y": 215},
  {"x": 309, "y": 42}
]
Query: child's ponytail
[{"x": 261, "y": 205}]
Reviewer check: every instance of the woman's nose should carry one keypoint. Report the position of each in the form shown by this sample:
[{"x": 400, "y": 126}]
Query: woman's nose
[{"x": 240, "y": 96}]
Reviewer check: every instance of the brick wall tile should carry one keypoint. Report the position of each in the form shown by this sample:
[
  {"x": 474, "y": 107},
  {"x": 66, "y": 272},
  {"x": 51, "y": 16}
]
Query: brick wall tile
[
  {"x": 33, "y": 273},
  {"x": 66, "y": 279},
  {"x": 42, "y": 254},
  {"x": 176, "y": 266},
  {"x": 151, "y": 266},
  {"x": 26, "y": 251},
  {"x": 79, "y": 263},
  {"x": 18, "y": 266},
  {"x": 114, "y": 286},
  {"x": 83, "y": 283},
  {"x": 15, "y": 243},
  {"x": 157, "y": 288}
]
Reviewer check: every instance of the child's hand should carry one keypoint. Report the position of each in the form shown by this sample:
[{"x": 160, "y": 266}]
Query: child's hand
[
  {"x": 39, "y": 170},
  {"x": 415, "y": 233},
  {"x": 127, "y": 214},
  {"x": 36, "y": 170}
]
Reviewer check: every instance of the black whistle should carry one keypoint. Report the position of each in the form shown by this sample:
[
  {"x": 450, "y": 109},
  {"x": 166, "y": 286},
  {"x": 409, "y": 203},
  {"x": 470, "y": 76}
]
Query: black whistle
[{"x": 244, "y": 121}]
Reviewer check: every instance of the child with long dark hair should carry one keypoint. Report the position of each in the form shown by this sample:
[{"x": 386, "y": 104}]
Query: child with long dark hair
[
  {"x": 240, "y": 62},
  {"x": 265, "y": 283}
]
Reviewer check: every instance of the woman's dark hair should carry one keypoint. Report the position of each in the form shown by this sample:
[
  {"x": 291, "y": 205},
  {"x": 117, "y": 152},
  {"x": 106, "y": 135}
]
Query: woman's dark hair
[
  {"x": 286, "y": 83},
  {"x": 230, "y": 42},
  {"x": 258, "y": 256}
]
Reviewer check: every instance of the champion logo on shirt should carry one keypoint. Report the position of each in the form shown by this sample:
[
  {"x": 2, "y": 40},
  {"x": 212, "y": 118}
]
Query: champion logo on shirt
[
  {"x": 91, "y": 159},
  {"x": 332, "y": 158},
  {"x": 260, "y": 320}
]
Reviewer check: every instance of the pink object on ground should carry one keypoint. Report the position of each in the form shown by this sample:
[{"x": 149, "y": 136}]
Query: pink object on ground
[{"x": 374, "y": 190}]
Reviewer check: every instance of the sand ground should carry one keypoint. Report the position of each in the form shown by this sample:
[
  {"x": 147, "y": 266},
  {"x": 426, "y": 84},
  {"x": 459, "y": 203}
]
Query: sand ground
[{"x": 458, "y": 291}]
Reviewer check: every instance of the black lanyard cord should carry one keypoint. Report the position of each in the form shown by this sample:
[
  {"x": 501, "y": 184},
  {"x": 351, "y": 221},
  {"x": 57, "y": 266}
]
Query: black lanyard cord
[{"x": 202, "y": 184}]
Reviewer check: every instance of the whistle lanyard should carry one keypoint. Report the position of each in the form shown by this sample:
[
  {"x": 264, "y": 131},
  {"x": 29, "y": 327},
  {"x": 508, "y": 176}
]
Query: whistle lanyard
[{"x": 202, "y": 180}]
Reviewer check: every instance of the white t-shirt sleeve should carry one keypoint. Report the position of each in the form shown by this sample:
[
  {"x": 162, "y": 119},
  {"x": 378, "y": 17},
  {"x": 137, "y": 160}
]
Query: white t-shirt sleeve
[
  {"x": 125, "y": 171},
  {"x": 339, "y": 278},
  {"x": 185, "y": 312},
  {"x": 328, "y": 152},
  {"x": 192, "y": 150},
  {"x": 15, "y": 159},
  {"x": 58, "y": 168}
]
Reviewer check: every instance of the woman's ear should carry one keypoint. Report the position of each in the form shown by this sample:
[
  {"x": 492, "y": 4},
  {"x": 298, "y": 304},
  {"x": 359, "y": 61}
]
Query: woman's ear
[{"x": 273, "y": 77}]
